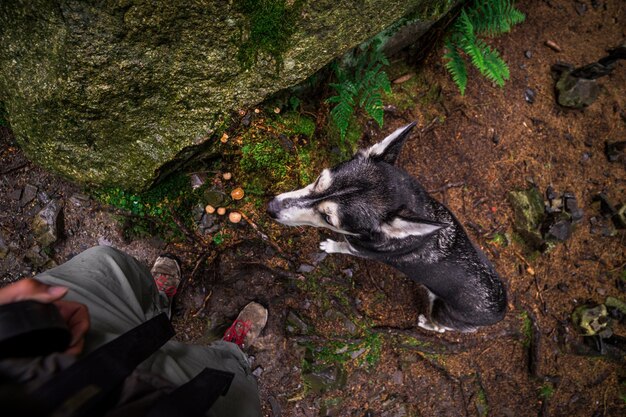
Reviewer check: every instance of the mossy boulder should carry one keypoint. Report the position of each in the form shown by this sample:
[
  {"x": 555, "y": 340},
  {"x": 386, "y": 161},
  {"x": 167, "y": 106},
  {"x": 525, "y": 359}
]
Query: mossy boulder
[{"x": 108, "y": 93}]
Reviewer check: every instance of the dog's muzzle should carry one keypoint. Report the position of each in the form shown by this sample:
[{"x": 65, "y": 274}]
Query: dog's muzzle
[{"x": 274, "y": 207}]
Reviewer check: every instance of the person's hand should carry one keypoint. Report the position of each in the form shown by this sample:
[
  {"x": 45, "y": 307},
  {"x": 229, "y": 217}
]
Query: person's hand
[{"x": 75, "y": 314}]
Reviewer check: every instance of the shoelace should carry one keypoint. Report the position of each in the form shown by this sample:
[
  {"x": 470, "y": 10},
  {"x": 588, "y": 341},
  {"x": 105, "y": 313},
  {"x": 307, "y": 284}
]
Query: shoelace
[
  {"x": 237, "y": 332},
  {"x": 163, "y": 285}
]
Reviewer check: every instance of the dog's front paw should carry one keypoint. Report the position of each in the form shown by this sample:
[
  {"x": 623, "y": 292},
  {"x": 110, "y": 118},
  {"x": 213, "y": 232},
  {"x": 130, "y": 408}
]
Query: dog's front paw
[
  {"x": 426, "y": 324},
  {"x": 330, "y": 246}
]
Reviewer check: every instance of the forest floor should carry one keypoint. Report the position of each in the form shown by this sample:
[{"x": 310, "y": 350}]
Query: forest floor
[{"x": 342, "y": 338}]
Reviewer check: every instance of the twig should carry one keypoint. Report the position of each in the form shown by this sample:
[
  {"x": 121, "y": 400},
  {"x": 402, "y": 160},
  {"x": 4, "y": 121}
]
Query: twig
[
  {"x": 264, "y": 236},
  {"x": 14, "y": 168},
  {"x": 447, "y": 186},
  {"x": 203, "y": 306}
]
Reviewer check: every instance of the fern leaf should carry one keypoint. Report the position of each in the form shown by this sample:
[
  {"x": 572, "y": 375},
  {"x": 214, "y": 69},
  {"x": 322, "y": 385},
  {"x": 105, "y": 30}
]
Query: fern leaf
[
  {"x": 383, "y": 83},
  {"x": 456, "y": 66},
  {"x": 374, "y": 107},
  {"x": 494, "y": 17},
  {"x": 495, "y": 68}
]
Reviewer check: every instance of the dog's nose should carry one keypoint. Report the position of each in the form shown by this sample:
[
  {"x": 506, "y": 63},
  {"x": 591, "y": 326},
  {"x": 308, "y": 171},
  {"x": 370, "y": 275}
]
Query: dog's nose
[{"x": 273, "y": 208}]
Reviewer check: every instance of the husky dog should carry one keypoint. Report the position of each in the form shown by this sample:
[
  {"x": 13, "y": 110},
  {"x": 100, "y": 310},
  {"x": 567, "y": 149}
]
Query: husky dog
[{"x": 385, "y": 214}]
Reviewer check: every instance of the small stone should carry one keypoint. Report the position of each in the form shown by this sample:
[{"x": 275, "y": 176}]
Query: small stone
[
  {"x": 576, "y": 92},
  {"x": 614, "y": 151},
  {"x": 495, "y": 138},
  {"x": 247, "y": 119},
  {"x": 561, "y": 230},
  {"x": 258, "y": 371},
  {"x": 397, "y": 377},
  {"x": 206, "y": 222},
  {"x": 197, "y": 180},
  {"x": 4, "y": 248},
  {"x": 601, "y": 291},
  {"x": 28, "y": 194},
  {"x": 305, "y": 268},
  {"x": 295, "y": 325},
  {"x": 606, "y": 207},
  {"x": 15, "y": 194},
  {"x": 550, "y": 193},
  {"x": 620, "y": 217},
  {"x": 563, "y": 287},
  {"x": 47, "y": 223},
  {"x": 36, "y": 257},
  {"x": 214, "y": 197},
  {"x": 585, "y": 157},
  {"x": 318, "y": 257},
  {"x": 105, "y": 241},
  {"x": 528, "y": 54},
  {"x": 275, "y": 406},
  {"x": 591, "y": 320},
  {"x": 529, "y": 95},
  {"x": 528, "y": 208},
  {"x": 79, "y": 200},
  {"x": 581, "y": 8}
]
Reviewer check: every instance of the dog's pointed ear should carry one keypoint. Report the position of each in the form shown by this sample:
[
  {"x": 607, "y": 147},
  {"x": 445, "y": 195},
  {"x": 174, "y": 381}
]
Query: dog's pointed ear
[
  {"x": 400, "y": 228},
  {"x": 389, "y": 149}
]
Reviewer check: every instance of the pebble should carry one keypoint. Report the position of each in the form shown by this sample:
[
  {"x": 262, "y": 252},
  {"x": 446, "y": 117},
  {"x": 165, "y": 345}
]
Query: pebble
[
  {"x": 258, "y": 371},
  {"x": 581, "y": 8},
  {"x": 528, "y": 54},
  {"x": 529, "y": 95},
  {"x": 28, "y": 194},
  {"x": 305, "y": 268}
]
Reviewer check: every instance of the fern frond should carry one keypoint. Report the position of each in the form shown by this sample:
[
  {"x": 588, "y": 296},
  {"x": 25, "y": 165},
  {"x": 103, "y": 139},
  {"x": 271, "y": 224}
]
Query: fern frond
[
  {"x": 456, "y": 66},
  {"x": 494, "y": 17},
  {"x": 495, "y": 69},
  {"x": 341, "y": 115},
  {"x": 373, "y": 106}
]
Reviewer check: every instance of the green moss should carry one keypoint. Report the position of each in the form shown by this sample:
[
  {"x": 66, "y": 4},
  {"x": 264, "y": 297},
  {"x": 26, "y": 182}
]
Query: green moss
[
  {"x": 526, "y": 329},
  {"x": 264, "y": 157},
  {"x": 271, "y": 24},
  {"x": 339, "y": 353},
  {"x": 499, "y": 239},
  {"x": 546, "y": 391},
  {"x": 298, "y": 124},
  {"x": 482, "y": 406},
  {"x": 152, "y": 212}
]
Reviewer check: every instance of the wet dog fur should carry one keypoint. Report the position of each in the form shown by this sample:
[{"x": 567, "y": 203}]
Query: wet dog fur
[{"x": 385, "y": 214}]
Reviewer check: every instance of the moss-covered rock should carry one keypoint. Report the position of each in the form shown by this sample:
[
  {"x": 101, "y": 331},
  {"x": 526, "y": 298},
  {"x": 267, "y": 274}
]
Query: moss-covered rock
[{"x": 108, "y": 92}]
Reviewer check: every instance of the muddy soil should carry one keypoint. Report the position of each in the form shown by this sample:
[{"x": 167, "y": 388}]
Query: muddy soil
[{"x": 342, "y": 337}]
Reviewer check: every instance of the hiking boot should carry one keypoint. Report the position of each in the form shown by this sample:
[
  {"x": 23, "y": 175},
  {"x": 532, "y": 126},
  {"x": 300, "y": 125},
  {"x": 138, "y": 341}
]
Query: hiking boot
[
  {"x": 167, "y": 276},
  {"x": 247, "y": 326}
]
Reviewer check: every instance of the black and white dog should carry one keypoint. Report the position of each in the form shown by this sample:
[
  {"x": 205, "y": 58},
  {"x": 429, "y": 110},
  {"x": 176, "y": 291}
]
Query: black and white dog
[{"x": 385, "y": 214}]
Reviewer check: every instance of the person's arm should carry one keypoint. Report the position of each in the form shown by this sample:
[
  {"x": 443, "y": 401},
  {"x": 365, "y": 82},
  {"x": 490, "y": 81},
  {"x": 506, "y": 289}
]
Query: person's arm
[{"x": 75, "y": 314}]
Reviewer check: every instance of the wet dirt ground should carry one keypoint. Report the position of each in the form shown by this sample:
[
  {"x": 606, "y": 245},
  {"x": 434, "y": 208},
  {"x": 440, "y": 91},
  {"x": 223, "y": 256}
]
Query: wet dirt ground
[{"x": 342, "y": 338}]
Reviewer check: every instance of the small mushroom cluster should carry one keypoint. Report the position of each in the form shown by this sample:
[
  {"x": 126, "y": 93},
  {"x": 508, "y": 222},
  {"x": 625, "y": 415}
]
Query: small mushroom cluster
[{"x": 236, "y": 194}]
